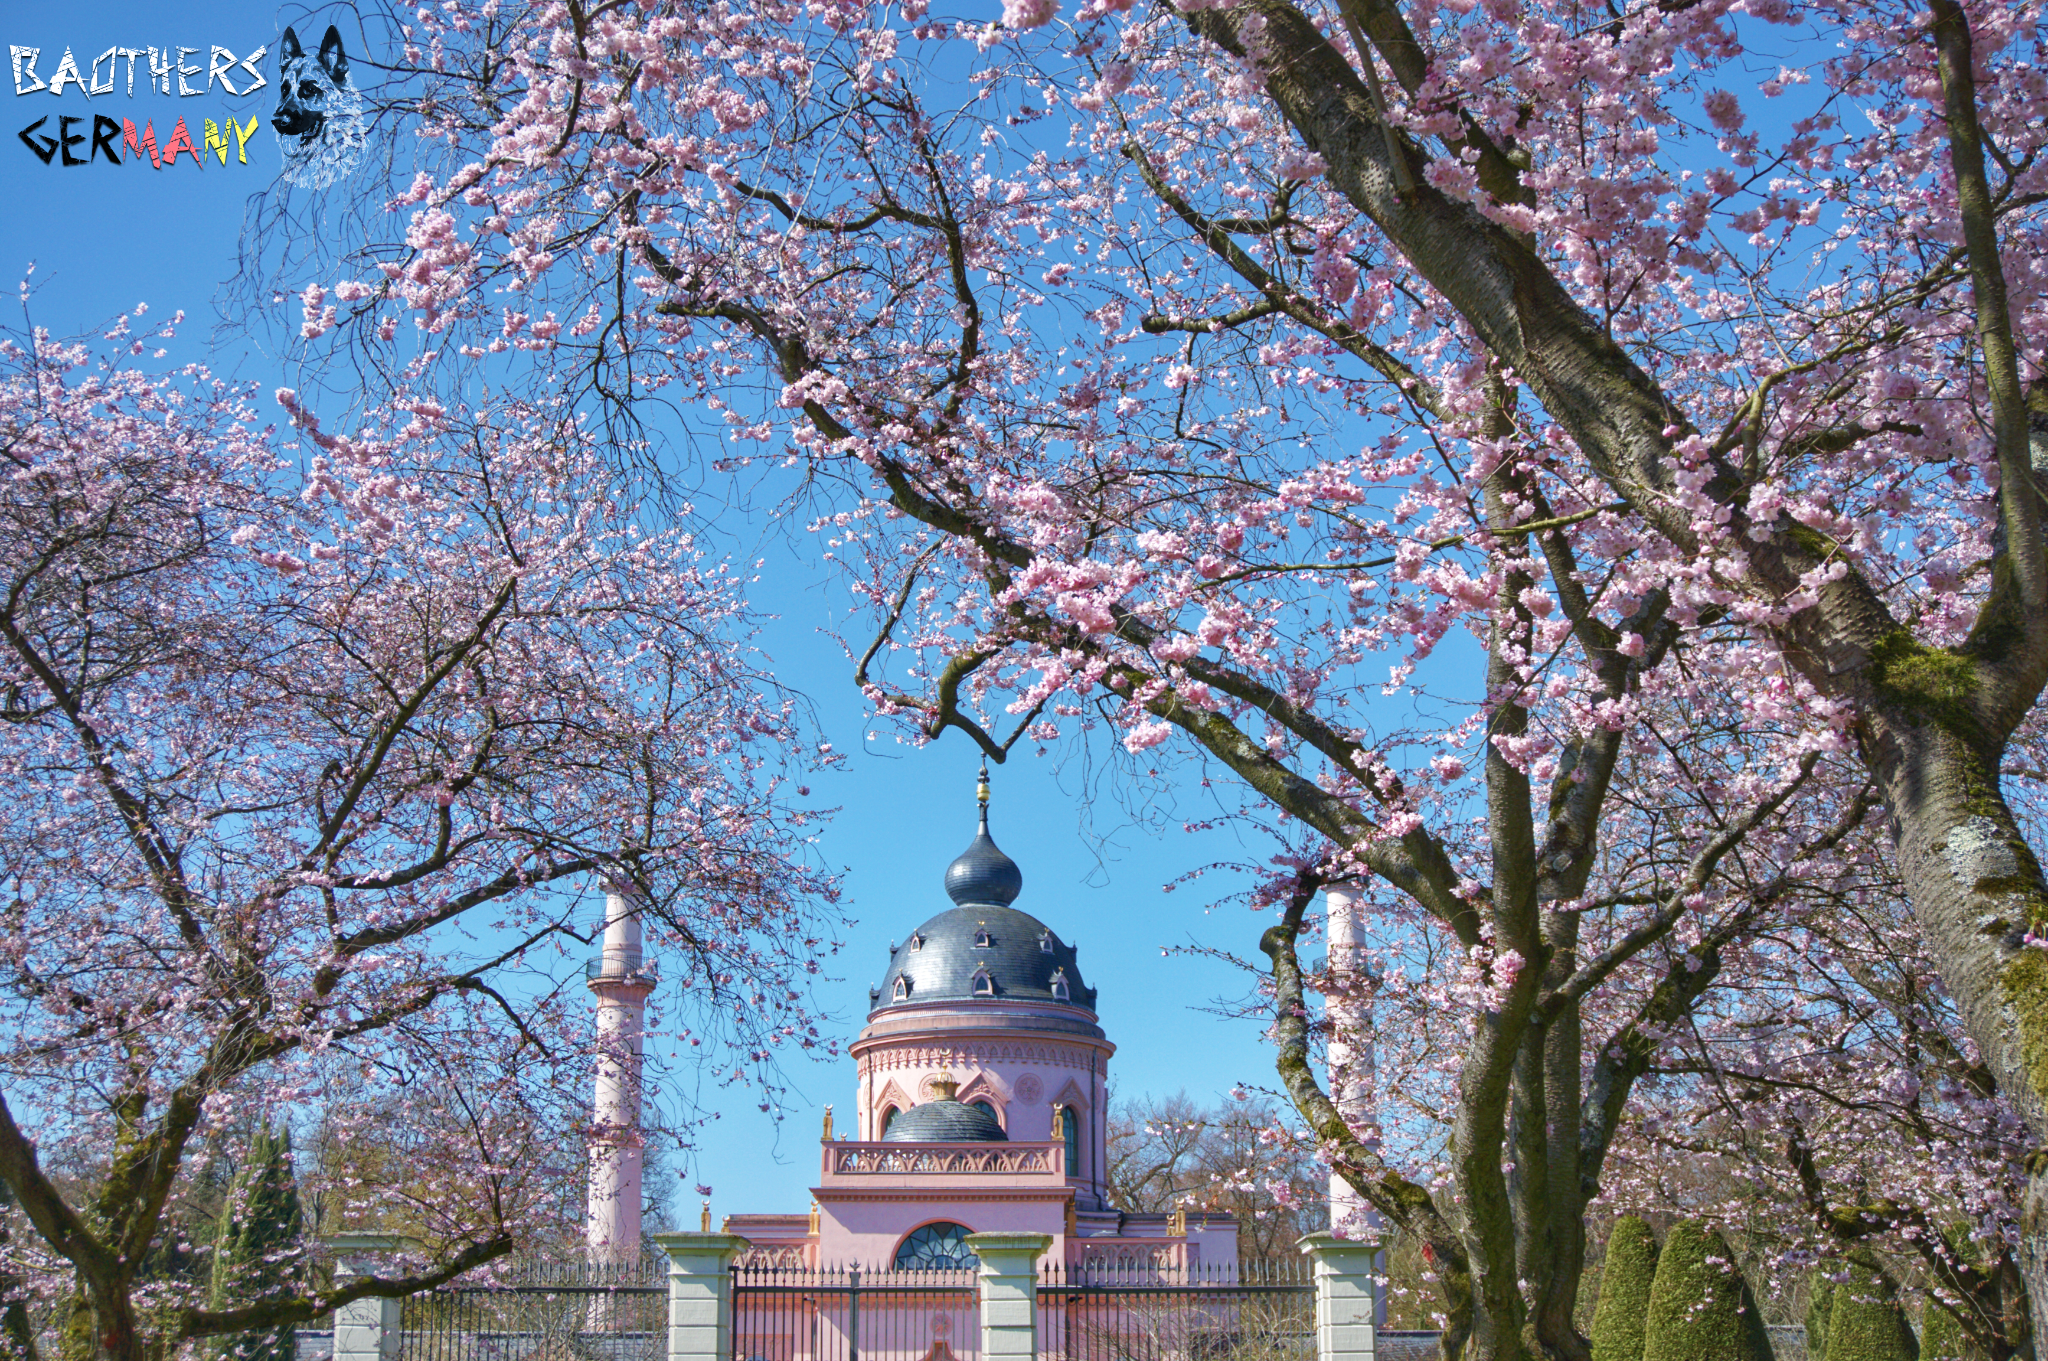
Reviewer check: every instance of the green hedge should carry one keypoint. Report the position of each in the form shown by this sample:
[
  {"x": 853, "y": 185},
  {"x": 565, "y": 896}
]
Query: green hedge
[
  {"x": 1866, "y": 1323},
  {"x": 1700, "y": 1307},
  {"x": 1941, "y": 1337},
  {"x": 1820, "y": 1297},
  {"x": 1624, "y": 1291}
]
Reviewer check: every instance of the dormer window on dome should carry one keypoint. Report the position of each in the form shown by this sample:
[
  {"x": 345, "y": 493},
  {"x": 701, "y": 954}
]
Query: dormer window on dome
[
  {"x": 1045, "y": 942},
  {"x": 983, "y": 985},
  {"x": 902, "y": 993},
  {"x": 1060, "y": 990},
  {"x": 981, "y": 940},
  {"x": 916, "y": 941}
]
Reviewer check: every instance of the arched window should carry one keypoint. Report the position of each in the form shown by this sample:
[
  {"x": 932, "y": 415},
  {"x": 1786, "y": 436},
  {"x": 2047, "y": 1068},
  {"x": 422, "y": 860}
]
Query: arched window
[
  {"x": 981, "y": 939},
  {"x": 1070, "y": 1133},
  {"x": 902, "y": 988},
  {"x": 988, "y": 1109},
  {"x": 984, "y": 986},
  {"x": 916, "y": 941},
  {"x": 888, "y": 1119},
  {"x": 1059, "y": 985},
  {"x": 1045, "y": 942},
  {"x": 937, "y": 1247}
]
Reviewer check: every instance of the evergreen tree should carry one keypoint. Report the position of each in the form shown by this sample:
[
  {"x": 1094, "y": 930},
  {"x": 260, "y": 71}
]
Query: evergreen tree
[
  {"x": 1700, "y": 1306},
  {"x": 1866, "y": 1323},
  {"x": 256, "y": 1251},
  {"x": 1941, "y": 1337},
  {"x": 1820, "y": 1298},
  {"x": 1624, "y": 1291}
]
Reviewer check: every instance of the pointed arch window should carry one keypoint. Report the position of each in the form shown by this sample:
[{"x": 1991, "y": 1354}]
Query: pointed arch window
[
  {"x": 1045, "y": 942},
  {"x": 981, "y": 938},
  {"x": 902, "y": 992},
  {"x": 987, "y": 1109},
  {"x": 1070, "y": 1135},
  {"x": 916, "y": 941},
  {"x": 983, "y": 985},
  {"x": 888, "y": 1119},
  {"x": 1060, "y": 990}
]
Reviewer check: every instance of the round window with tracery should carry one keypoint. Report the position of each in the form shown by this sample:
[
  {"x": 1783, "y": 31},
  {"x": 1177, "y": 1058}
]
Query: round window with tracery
[{"x": 937, "y": 1247}]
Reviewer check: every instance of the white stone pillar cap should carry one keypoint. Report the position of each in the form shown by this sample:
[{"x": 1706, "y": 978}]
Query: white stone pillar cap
[
  {"x": 679, "y": 1245},
  {"x": 1329, "y": 1245},
  {"x": 1005, "y": 1243}
]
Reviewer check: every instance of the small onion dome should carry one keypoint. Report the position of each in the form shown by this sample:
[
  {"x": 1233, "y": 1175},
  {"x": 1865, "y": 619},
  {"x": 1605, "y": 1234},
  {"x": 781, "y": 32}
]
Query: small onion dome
[
  {"x": 983, "y": 875},
  {"x": 945, "y": 1120}
]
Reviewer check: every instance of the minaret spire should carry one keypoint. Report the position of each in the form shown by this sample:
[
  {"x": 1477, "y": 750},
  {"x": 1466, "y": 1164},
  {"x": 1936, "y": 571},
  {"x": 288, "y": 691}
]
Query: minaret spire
[{"x": 981, "y": 795}]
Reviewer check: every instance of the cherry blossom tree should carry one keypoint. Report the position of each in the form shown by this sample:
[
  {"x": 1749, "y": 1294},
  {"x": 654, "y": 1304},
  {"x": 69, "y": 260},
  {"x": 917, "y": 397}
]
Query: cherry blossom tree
[
  {"x": 315, "y": 743},
  {"x": 1824, "y": 1102},
  {"x": 1161, "y": 369}
]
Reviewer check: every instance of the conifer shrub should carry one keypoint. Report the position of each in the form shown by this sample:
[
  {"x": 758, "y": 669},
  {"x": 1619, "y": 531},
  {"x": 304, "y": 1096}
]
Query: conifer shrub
[
  {"x": 1866, "y": 1323},
  {"x": 1941, "y": 1337},
  {"x": 1624, "y": 1291},
  {"x": 260, "y": 1225},
  {"x": 1701, "y": 1308},
  {"x": 1820, "y": 1297}
]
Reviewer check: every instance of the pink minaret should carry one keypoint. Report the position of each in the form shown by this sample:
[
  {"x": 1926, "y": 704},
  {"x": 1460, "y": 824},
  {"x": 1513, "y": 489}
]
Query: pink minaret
[
  {"x": 621, "y": 980},
  {"x": 1353, "y": 1065}
]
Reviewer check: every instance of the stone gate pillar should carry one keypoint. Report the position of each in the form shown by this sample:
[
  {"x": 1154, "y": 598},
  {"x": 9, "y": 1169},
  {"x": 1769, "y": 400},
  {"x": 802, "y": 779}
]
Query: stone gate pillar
[
  {"x": 1344, "y": 1297},
  {"x": 366, "y": 1329},
  {"x": 1009, "y": 1293},
  {"x": 699, "y": 1293}
]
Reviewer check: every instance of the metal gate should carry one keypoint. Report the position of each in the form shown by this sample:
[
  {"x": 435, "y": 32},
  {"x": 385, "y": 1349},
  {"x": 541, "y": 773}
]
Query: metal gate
[
  {"x": 1124, "y": 1311},
  {"x": 576, "y": 1312},
  {"x": 782, "y": 1313}
]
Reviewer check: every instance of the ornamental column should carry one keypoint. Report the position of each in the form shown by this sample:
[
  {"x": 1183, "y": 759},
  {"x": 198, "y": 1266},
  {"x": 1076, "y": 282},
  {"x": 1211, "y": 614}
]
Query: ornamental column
[
  {"x": 700, "y": 1293},
  {"x": 1347, "y": 1296},
  {"x": 366, "y": 1329},
  {"x": 1008, "y": 1278},
  {"x": 620, "y": 979},
  {"x": 1353, "y": 1067}
]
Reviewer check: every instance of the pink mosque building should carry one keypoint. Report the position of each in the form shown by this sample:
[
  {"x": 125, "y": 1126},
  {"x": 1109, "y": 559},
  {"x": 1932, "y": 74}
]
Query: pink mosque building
[{"x": 983, "y": 1084}]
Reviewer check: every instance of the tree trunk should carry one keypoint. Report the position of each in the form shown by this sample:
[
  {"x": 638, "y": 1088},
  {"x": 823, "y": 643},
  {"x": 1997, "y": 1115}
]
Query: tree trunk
[{"x": 1979, "y": 895}]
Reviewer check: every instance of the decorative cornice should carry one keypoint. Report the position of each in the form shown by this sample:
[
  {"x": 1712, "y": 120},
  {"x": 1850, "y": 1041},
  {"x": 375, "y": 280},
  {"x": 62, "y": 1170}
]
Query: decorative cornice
[{"x": 967, "y": 1053}]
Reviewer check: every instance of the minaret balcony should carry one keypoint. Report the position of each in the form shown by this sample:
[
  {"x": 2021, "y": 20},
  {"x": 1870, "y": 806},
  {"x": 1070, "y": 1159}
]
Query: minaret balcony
[{"x": 615, "y": 967}]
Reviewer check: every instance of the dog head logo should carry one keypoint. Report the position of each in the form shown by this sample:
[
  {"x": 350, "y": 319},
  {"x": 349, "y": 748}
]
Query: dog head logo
[{"x": 319, "y": 118}]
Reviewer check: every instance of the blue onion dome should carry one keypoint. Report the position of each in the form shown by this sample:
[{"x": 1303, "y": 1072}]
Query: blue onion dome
[
  {"x": 982, "y": 873},
  {"x": 945, "y": 1120},
  {"x": 983, "y": 950}
]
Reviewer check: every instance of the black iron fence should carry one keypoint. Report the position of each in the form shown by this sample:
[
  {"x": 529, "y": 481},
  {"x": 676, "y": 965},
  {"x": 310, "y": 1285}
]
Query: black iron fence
[
  {"x": 1120, "y": 1310},
  {"x": 784, "y": 1313},
  {"x": 569, "y": 1312}
]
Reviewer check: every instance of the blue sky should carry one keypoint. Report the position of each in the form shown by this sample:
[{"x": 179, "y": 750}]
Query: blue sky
[{"x": 105, "y": 238}]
